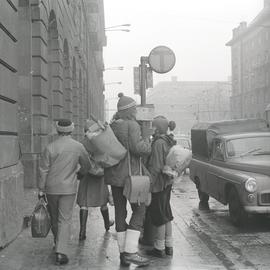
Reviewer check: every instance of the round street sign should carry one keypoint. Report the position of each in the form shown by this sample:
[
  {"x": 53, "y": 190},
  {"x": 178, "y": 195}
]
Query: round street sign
[{"x": 161, "y": 59}]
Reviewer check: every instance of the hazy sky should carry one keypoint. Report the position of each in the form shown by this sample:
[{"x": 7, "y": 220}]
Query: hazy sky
[{"x": 196, "y": 30}]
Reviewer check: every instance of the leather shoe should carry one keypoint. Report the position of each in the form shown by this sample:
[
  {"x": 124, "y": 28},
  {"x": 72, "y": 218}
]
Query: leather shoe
[
  {"x": 135, "y": 258},
  {"x": 156, "y": 253},
  {"x": 169, "y": 251},
  {"x": 61, "y": 259}
]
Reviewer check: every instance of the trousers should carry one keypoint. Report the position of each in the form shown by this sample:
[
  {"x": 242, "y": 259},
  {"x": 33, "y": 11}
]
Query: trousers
[
  {"x": 120, "y": 208},
  {"x": 61, "y": 208}
]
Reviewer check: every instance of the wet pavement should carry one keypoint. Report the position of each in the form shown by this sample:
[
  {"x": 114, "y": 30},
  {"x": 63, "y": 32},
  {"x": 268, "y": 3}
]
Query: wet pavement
[{"x": 202, "y": 240}]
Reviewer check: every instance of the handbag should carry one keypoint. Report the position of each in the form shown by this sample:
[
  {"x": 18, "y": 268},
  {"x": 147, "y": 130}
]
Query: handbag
[
  {"x": 137, "y": 187},
  {"x": 41, "y": 220}
]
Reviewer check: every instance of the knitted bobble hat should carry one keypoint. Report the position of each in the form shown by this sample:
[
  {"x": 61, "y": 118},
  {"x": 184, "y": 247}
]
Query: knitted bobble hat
[
  {"x": 125, "y": 102},
  {"x": 64, "y": 126},
  {"x": 161, "y": 123}
]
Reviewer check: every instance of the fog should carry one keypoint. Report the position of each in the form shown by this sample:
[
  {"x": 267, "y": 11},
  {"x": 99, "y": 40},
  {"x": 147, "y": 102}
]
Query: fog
[{"x": 195, "y": 30}]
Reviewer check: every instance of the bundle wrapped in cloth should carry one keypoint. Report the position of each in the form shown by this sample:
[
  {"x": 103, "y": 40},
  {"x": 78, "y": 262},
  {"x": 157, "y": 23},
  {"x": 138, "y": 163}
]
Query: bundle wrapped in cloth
[
  {"x": 107, "y": 150},
  {"x": 177, "y": 161}
]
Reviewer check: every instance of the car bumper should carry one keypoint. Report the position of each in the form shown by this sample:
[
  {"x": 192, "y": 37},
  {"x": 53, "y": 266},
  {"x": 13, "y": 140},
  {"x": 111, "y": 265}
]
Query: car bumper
[{"x": 257, "y": 209}]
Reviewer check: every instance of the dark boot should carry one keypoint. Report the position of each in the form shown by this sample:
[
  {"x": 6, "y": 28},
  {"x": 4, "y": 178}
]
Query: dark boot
[
  {"x": 123, "y": 261},
  {"x": 83, "y": 220},
  {"x": 203, "y": 205},
  {"x": 61, "y": 259},
  {"x": 107, "y": 222},
  {"x": 169, "y": 251},
  {"x": 157, "y": 253}
]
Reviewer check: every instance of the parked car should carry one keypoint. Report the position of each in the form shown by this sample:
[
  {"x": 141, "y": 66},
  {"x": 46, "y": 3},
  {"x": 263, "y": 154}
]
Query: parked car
[{"x": 231, "y": 163}]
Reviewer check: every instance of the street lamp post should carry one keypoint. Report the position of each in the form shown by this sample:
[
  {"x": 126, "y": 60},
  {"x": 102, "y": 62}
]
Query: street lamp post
[
  {"x": 110, "y": 83},
  {"x": 116, "y": 28},
  {"x": 114, "y": 68},
  {"x": 119, "y": 25}
]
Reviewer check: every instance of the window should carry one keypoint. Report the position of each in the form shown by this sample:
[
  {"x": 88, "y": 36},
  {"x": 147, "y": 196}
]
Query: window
[{"x": 218, "y": 150}]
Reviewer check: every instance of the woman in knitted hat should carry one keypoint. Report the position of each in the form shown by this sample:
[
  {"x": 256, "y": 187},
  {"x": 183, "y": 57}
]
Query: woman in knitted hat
[
  {"x": 92, "y": 190},
  {"x": 128, "y": 132},
  {"x": 58, "y": 180},
  {"x": 160, "y": 209}
]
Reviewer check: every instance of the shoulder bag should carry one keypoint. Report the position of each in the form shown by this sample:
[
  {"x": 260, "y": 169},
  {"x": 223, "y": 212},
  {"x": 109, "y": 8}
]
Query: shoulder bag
[{"x": 137, "y": 187}]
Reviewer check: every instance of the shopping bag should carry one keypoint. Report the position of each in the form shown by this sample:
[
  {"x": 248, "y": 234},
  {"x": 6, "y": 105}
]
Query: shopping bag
[
  {"x": 41, "y": 221},
  {"x": 177, "y": 160},
  {"x": 107, "y": 150}
]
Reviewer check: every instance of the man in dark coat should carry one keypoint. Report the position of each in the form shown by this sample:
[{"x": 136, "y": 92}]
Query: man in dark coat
[{"x": 128, "y": 132}]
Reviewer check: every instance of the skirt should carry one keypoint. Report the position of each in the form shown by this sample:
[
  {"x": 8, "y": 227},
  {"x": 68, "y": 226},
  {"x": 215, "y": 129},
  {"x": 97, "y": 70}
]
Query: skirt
[
  {"x": 92, "y": 192},
  {"x": 160, "y": 209}
]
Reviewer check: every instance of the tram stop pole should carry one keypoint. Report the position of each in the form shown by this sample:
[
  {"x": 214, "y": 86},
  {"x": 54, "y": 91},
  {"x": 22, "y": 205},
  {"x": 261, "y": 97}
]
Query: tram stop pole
[{"x": 148, "y": 228}]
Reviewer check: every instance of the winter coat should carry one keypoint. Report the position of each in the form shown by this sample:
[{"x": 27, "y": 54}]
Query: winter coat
[
  {"x": 92, "y": 190},
  {"x": 157, "y": 160},
  {"x": 128, "y": 133},
  {"x": 59, "y": 166}
]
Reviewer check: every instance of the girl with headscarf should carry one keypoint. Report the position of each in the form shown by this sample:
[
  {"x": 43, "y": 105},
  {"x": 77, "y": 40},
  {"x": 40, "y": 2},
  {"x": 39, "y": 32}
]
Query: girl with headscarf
[{"x": 160, "y": 209}]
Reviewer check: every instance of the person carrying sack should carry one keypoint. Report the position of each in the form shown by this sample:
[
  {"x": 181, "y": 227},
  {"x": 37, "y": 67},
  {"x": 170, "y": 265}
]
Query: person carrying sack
[
  {"x": 92, "y": 190},
  {"x": 128, "y": 132},
  {"x": 160, "y": 209},
  {"x": 58, "y": 180}
]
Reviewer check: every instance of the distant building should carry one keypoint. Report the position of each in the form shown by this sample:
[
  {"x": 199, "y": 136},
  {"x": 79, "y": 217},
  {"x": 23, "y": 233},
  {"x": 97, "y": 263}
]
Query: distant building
[
  {"x": 51, "y": 66},
  {"x": 188, "y": 102},
  {"x": 250, "y": 48}
]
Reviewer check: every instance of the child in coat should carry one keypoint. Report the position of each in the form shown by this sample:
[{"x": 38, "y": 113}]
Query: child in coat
[{"x": 160, "y": 209}]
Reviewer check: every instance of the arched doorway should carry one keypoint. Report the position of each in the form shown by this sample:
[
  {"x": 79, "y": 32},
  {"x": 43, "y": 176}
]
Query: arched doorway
[
  {"x": 55, "y": 72},
  {"x": 75, "y": 106},
  {"x": 81, "y": 104},
  {"x": 68, "y": 95}
]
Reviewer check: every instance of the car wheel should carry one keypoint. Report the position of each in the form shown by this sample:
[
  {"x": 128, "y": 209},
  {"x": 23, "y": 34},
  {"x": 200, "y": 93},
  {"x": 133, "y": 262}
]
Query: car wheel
[{"x": 238, "y": 215}]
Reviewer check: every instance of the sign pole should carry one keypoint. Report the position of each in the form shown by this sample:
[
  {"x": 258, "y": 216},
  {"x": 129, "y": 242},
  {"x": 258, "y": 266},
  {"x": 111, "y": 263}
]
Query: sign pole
[
  {"x": 161, "y": 60},
  {"x": 143, "y": 69}
]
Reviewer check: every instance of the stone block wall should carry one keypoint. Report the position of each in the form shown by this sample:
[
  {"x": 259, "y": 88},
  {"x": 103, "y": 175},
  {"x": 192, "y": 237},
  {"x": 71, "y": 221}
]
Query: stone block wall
[
  {"x": 11, "y": 171},
  {"x": 48, "y": 71},
  {"x": 60, "y": 75}
]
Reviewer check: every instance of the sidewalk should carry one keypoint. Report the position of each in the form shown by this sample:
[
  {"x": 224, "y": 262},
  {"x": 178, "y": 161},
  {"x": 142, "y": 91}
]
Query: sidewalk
[{"x": 100, "y": 250}]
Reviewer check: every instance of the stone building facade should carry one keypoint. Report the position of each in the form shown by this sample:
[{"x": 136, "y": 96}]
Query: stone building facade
[
  {"x": 187, "y": 102},
  {"x": 250, "y": 50},
  {"x": 51, "y": 66}
]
